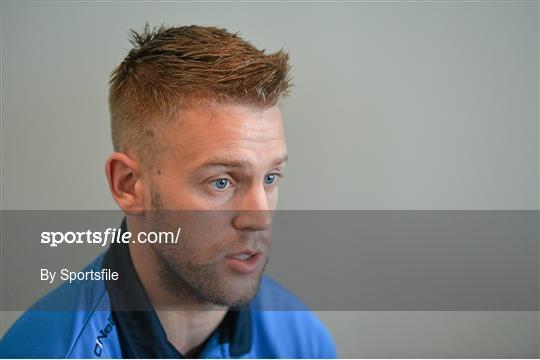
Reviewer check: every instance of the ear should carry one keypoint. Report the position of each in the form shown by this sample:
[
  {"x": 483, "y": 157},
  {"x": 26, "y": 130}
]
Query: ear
[{"x": 125, "y": 182}]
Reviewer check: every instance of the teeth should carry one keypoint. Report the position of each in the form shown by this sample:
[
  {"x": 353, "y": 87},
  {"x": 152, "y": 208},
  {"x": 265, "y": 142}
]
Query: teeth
[{"x": 242, "y": 257}]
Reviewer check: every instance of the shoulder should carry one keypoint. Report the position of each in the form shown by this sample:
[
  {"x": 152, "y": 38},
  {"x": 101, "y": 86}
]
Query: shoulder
[
  {"x": 56, "y": 324},
  {"x": 285, "y": 327}
]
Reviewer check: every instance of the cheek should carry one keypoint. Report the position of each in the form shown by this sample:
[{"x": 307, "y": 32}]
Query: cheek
[
  {"x": 191, "y": 253},
  {"x": 207, "y": 236},
  {"x": 175, "y": 192},
  {"x": 273, "y": 198}
]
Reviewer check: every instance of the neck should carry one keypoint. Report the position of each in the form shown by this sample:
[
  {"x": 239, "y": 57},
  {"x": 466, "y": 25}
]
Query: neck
[{"x": 186, "y": 321}]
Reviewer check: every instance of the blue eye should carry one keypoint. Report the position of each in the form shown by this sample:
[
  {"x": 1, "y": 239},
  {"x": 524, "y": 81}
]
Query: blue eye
[
  {"x": 221, "y": 183},
  {"x": 269, "y": 179}
]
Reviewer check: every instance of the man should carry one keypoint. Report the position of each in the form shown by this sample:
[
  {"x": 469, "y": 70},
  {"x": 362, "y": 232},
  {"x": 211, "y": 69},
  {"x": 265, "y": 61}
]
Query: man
[{"x": 199, "y": 143}]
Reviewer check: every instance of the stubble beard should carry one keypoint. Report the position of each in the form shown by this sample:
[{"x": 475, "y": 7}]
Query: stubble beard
[{"x": 202, "y": 283}]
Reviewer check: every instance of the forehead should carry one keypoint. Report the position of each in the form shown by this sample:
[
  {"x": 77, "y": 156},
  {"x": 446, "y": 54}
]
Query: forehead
[{"x": 232, "y": 131}]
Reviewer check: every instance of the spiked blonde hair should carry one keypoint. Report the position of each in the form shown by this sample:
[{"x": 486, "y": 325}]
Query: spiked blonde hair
[{"x": 174, "y": 68}]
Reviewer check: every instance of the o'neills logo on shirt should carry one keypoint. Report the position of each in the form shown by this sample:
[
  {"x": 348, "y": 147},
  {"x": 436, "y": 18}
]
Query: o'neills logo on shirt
[{"x": 103, "y": 334}]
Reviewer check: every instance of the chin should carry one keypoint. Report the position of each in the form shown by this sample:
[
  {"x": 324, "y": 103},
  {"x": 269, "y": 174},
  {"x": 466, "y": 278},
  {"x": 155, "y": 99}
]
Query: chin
[{"x": 241, "y": 289}]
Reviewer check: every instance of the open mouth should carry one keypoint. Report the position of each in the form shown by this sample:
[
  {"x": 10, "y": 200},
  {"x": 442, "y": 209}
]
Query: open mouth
[
  {"x": 243, "y": 256},
  {"x": 244, "y": 263}
]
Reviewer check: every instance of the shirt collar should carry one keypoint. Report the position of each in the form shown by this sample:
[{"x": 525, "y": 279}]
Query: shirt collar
[{"x": 138, "y": 326}]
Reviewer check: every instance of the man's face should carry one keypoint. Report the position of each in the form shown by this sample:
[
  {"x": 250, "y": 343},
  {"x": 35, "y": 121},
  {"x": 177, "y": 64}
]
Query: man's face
[{"x": 221, "y": 170}]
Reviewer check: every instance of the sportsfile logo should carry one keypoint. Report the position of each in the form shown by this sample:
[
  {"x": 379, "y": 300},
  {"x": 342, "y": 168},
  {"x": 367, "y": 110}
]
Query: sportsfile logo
[
  {"x": 109, "y": 236},
  {"x": 103, "y": 334}
]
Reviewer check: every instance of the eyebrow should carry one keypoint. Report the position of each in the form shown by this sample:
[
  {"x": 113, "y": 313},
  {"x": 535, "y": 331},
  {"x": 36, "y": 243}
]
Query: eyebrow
[{"x": 224, "y": 162}]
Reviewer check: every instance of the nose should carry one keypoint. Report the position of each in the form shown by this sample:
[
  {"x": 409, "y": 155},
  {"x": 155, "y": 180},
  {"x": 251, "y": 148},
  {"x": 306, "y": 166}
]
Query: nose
[{"x": 254, "y": 212}]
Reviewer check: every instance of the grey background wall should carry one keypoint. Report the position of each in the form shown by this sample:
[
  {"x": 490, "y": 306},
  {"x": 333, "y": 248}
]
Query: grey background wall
[{"x": 397, "y": 105}]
